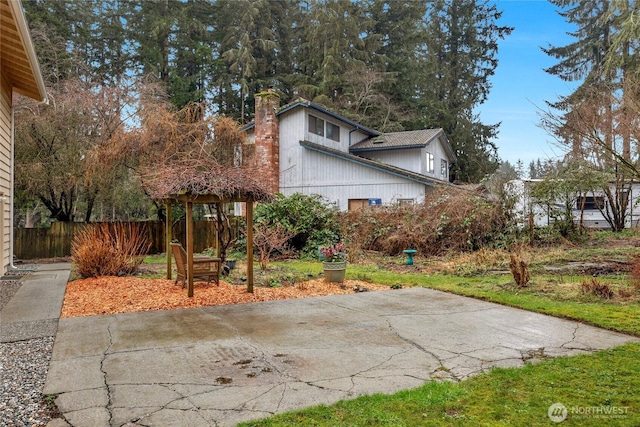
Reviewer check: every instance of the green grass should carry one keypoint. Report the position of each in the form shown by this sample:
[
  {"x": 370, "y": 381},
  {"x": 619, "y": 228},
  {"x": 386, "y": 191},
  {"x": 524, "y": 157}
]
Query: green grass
[
  {"x": 607, "y": 381},
  {"x": 155, "y": 259}
]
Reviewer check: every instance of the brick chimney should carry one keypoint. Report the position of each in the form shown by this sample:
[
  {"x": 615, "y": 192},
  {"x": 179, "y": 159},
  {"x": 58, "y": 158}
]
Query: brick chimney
[{"x": 267, "y": 139}]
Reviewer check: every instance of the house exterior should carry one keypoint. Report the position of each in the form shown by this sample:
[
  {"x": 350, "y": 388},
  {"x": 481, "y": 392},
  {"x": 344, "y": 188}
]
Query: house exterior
[
  {"x": 19, "y": 73},
  {"x": 587, "y": 211},
  {"x": 304, "y": 148}
]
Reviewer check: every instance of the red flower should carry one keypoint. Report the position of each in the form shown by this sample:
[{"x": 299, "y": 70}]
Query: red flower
[{"x": 334, "y": 253}]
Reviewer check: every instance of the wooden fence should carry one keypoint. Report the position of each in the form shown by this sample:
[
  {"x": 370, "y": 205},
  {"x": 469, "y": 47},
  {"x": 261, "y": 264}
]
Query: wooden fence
[{"x": 55, "y": 242}]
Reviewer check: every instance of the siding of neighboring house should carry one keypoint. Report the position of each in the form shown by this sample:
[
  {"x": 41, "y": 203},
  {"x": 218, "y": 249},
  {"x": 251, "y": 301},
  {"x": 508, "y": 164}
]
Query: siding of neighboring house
[
  {"x": 591, "y": 216},
  {"x": 5, "y": 170}
]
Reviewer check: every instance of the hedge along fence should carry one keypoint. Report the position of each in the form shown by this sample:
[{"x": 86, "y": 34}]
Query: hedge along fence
[{"x": 55, "y": 242}]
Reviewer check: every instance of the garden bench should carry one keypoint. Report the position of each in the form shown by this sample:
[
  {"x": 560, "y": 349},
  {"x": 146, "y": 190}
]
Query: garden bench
[{"x": 203, "y": 267}]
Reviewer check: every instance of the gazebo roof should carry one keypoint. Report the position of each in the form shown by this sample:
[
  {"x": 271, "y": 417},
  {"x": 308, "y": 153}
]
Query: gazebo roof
[{"x": 204, "y": 182}]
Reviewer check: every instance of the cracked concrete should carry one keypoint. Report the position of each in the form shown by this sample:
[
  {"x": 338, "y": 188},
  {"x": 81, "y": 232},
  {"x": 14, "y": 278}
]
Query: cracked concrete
[{"x": 217, "y": 366}]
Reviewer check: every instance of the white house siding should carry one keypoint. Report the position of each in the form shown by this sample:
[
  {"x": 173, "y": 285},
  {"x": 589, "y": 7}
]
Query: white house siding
[
  {"x": 293, "y": 127},
  {"x": 301, "y": 119},
  {"x": 414, "y": 159},
  {"x": 436, "y": 148},
  {"x": 410, "y": 159},
  {"x": 349, "y": 180},
  {"x": 5, "y": 153}
]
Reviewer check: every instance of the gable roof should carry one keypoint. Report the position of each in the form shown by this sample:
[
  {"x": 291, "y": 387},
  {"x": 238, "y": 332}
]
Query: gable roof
[
  {"x": 393, "y": 170},
  {"x": 18, "y": 58},
  {"x": 403, "y": 140},
  {"x": 303, "y": 103}
]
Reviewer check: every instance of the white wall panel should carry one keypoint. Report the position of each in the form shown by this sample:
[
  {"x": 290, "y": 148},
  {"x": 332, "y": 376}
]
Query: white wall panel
[{"x": 339, "y": 180}]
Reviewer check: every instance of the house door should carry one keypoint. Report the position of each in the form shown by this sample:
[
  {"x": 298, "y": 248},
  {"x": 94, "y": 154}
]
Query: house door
[{"x": 357, "y": 204}]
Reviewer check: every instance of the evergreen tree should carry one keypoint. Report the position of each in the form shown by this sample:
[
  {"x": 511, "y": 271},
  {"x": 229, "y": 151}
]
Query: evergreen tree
[
  {"x": 248, "y": 38},
  {"x": 458, "y": 57},
  {"x": 333, "y": 42},
  {"x": 605, "y": 60}
]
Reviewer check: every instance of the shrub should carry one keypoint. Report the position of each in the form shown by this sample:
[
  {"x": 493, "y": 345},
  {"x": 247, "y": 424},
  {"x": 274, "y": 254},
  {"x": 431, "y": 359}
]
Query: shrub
[
  {"x": 635, "y": 273},
  {"x": 448, "y": 220},
  {"x": 519, "y": 269},
  {"x": 269, "y": 239},
  {"x": 109, "y": 249},
  {"x": 309, "y": 219},
  {"x": 593, "y": 287}
]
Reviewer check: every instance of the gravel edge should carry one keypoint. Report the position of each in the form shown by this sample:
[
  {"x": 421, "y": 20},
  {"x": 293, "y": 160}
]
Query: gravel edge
[
  {"x": 24, "y": 366},
  {"x": 23, "y": 371}
]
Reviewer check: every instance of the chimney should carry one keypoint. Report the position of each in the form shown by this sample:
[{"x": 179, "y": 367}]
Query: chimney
[{"x": 267, "y": 139}]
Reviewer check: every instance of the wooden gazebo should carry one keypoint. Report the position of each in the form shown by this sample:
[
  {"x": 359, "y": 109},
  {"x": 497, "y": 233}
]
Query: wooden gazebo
[{"x": 205, "y": 182}]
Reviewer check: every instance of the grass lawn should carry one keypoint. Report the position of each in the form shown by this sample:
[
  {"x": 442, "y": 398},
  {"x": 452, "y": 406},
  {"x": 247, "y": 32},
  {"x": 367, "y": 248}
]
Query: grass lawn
[{"x": 597, "y": 389}]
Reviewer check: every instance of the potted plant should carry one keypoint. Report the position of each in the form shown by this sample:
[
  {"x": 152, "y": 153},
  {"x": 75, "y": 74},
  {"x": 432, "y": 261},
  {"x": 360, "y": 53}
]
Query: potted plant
[{"x": 334, "y": 262}]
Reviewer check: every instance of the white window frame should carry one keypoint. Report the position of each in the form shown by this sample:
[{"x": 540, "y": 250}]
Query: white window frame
[
  {"x": 406, "y": 201},
  {"x": 431, "y": 163},
  {"x": 444, "y": 168}
]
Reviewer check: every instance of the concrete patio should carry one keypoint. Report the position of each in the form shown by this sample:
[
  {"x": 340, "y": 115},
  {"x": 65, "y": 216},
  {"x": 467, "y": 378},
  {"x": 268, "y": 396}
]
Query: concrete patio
[{"x": 223, "y": 365}]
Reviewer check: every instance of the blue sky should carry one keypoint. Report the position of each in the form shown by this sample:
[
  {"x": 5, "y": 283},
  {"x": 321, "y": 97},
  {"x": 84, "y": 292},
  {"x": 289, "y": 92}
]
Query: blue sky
[{"x": 520, "y": 86}]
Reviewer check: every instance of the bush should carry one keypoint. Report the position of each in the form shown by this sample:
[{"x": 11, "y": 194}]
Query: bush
[
  {"x": 594, "y": 287},
  {"x": 635, "y": 273},
  {"x": 519, "y": 269},
  {"x": 109, "y": 249},
  {"x": 309, "y": 219},
  {"x": 448, "y": 220}
]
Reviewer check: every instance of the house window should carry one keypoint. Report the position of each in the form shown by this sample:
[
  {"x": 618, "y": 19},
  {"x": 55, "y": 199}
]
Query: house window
[
  {"x": 333, "y": 132},
  {"x": 316, "y": 125},
  {"x": 591, "y": 203},
  {"x": 406, "y": 201},
  {"x": 430, "y": 163},
  {"x": 444, "y": 168}
]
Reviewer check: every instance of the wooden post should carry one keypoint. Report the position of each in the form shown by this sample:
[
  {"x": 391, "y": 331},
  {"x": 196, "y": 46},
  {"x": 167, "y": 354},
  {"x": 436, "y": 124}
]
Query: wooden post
[
  {"x": 167, "y": 239},
  {"x": 189, "y": 232},
  {"x": 249, "y": 205}
]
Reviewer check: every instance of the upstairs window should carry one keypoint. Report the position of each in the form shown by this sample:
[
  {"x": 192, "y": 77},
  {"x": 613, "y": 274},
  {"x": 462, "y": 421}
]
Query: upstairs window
[
  {"x": 444, "y": 168},
  {"x": 333, "y": 132},
  {"x": 430, "y": 163},
  {"x": 316, "y": 125}
]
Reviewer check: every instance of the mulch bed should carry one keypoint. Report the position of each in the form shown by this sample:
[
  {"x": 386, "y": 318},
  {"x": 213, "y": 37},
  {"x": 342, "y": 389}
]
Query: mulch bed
[{"x": 111, "y": 295}]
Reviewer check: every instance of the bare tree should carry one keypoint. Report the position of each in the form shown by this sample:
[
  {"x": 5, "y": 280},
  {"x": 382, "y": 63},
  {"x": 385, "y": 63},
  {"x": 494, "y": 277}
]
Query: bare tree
[
  {"x": 63, "y": 149},
  {"x": 270, "y": 238}
]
